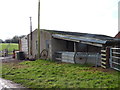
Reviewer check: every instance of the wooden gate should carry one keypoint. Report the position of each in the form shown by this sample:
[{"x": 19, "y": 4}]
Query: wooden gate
[
  {"x": 115, "y": 58},
  {"x": 105, "y": 57}
]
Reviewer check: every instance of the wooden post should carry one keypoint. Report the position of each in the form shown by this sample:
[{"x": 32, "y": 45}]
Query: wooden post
[
  {"x": 107, "y": 57},
  {"x": 39, "y": 29},
  {"x": 105, "y": 54},
  {"x": 103, "y": 57},
  {"x": 74, "y": 46}
]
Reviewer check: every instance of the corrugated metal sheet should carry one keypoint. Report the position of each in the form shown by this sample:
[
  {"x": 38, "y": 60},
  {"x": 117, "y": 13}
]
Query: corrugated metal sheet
[
  {"x": 68, "y": 57},
  {"x": 88, "y": 57},
  {"x": 92, "y": 41},
  {"x": 79, "y": 57},
  {"x": 98, "y": 36}
]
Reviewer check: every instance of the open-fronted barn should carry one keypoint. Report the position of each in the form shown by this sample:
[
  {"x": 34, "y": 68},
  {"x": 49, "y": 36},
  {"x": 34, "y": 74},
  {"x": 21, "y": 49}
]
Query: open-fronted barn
[{"x": 71, "y": 47}]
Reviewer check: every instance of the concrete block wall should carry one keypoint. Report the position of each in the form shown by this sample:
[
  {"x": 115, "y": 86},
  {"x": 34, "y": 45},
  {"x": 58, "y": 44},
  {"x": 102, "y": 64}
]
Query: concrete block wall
[
  {"x": 45, "y": 38},
  {"x": 45, "y": 42},
  {"x": 34, "y": 42}
]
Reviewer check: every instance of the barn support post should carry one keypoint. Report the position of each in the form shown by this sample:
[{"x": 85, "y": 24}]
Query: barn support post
[{"x": 74, "y": 46}]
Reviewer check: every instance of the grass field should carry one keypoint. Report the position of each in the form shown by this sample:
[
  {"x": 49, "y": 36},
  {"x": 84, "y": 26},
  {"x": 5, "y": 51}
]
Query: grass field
[
  {"x": 48, "y": 74},
  {"x": 8, "y": 46}
]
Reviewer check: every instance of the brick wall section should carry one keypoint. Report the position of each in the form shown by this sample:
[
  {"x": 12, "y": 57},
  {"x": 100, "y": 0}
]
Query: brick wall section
[{"x": 118, "y": 35}]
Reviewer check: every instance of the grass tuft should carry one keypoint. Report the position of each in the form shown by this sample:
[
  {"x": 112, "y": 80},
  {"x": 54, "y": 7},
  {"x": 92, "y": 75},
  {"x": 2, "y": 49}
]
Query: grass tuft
[{"x": 48, "y": 74}]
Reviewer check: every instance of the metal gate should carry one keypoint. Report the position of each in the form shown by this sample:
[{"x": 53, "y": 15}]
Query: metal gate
[{"x": 115, "y": 58}]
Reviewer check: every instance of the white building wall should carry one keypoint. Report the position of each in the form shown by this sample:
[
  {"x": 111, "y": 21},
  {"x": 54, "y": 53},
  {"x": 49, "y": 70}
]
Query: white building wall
[{"x": 24, "y": 45}]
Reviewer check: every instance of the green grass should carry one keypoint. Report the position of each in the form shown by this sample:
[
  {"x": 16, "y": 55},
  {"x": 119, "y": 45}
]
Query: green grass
[
  {"x": 8, "y": 46},
  {"x": 48, "y": 74}
]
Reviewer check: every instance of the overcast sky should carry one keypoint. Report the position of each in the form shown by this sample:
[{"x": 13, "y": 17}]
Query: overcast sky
[{"x": 87, "y": 16}]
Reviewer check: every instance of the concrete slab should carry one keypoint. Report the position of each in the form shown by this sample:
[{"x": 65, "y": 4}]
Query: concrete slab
[{"x": 9, "y": 84}]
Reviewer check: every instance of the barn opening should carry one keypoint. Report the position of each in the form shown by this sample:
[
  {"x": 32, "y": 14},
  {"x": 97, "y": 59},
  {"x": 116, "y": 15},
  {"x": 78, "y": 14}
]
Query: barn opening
[{"x": 73, "y": 50}]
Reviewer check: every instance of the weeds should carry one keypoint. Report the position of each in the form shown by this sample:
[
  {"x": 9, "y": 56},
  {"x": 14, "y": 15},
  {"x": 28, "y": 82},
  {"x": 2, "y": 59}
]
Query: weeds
[{"x": 48, "y": 74}]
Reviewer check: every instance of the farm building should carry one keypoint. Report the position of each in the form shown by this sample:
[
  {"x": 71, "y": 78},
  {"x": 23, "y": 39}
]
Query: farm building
[
  {"x": 23, "y": 45},
  {"x": 71, "y": 47}
]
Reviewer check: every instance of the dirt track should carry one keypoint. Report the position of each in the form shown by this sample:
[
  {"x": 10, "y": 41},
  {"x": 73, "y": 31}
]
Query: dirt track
[{"x": 7, "y": 84}]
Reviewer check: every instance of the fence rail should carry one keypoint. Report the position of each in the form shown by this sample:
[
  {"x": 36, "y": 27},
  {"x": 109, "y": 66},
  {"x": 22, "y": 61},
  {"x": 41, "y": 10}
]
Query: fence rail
[
  {"x": 103, "y": 58},
  {"x": 4, "y": 53},
  {"x": 115, "y": 58}
]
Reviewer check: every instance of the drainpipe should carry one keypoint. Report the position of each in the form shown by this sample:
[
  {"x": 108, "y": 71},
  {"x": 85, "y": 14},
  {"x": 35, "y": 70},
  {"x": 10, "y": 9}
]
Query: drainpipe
[
  {"x": 39, "y": 29},
  {"x": 31, "y": 36}
]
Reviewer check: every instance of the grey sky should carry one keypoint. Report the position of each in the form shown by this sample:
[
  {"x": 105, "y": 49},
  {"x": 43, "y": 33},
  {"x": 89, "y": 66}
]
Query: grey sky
[{"x": 87, "y": 16}]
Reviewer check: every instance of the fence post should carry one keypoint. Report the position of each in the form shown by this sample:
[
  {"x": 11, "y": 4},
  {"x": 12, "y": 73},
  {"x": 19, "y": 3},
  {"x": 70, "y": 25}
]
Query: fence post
[
  {"x": 107, "y": 57},
  {"x": 103, "y": 57},
  {"x": 110, "y": 60},
  {"x": 97, "y": 57}
]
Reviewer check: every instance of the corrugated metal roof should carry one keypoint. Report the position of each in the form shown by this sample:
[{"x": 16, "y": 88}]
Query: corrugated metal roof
[
  {"x": 79, "y": 38},
  {"x": 88, "y": 40},
  {"x": 92, "y": 39},
  {"x": 97, "y": 36}
]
